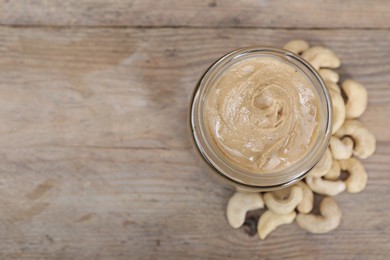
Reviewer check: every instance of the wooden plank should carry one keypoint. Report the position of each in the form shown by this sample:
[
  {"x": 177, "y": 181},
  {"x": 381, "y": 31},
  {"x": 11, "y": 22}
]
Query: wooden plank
[
  {"x": 199, "y": 13},
  {"x": 96, "y": 162}
]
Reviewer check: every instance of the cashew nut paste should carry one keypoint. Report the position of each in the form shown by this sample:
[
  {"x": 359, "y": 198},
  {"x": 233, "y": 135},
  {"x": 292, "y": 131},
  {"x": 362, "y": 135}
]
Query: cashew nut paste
[{"x": 263, "y": 114}]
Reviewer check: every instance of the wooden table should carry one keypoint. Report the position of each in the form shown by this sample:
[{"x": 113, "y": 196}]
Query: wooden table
[{"x": 96, "y": 161}]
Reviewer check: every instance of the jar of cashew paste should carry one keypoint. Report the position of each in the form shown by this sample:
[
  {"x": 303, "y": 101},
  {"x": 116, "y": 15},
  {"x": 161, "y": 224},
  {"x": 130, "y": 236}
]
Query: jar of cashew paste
[{"x": 260, "y": 118}]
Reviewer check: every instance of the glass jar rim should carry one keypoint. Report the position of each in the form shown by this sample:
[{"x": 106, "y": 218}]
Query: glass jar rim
[{"x": 241, "y": 177}]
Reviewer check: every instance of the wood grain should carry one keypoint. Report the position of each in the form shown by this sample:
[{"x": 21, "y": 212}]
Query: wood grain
[
  {"x": 199, "y": 13},
  {"x": 96, "y": 162}
]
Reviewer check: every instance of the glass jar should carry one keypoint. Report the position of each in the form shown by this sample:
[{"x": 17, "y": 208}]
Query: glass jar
[{"x": 241, "y": 178}]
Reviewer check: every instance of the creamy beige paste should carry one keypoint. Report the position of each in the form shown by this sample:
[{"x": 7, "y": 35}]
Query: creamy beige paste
[{"x": 263, "y": 114}]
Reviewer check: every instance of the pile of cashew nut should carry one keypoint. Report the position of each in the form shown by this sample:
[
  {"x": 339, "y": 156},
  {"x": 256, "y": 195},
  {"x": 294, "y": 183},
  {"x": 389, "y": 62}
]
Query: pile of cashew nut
[{"x": 350, "y": 142}]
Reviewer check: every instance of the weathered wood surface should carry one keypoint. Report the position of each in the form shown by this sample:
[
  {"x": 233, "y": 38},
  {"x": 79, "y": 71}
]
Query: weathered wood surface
[
  {"x": 95, "y": 160},
  {"x": 210, "y": 13}
]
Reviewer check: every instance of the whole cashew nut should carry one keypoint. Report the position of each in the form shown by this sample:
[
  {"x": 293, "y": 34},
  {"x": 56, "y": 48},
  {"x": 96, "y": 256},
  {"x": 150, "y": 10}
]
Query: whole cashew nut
[
  {"x": 323, "y": 165},
  {"x": 269, "y": 221},
  {"x": 320, "y": 57},
  {"x": 338, "y": 110},
  {"x": 325, "y": 187},
  {"x": 329, "y": 75},
  {"x": 306, "y": 204},
  {"x": 334, "y": 172},
  {"x": 357, "y": 179},
  {"x": 341, "y": 149},
  {"x": 356, "y": 94},
  {"x": 296, "y": 46},
  {"x": 364, "y": 141},
  {"x": 328, "y": 220},
  {"x": 281, "y": 205},
  {"x": 239, "y": 204}
]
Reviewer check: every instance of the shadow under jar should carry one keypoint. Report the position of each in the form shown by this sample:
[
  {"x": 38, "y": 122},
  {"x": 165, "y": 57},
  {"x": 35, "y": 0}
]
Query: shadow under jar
[{"x": 260, "y": 118}]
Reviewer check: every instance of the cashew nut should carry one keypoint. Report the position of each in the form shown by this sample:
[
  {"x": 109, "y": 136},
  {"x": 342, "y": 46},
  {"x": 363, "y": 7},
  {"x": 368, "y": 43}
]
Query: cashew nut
[
  {"x": 356, "y": 94},
  {"x": 282, "y": 205},
  {"x": 338, "y": 110},
  {"x": 239, "y": 204},
  {"x": 333, "y": 87},
  {"x": 325, "y": 187},
  {"x": 328, "y": 220},
  {"x": 357, "y": 179},
  {"x": 364, "y": 141},
  {"x": 306, "y": 204},
  {"x": 329, "y": 75},
  {"x": 320, "y": 57},
  {"x": 334, "y": 172},
  {"x": 323, "y": 165},
  {"x": 269, "y": 221},
  {"x": 341, "y": 149},
  {"x": 296, "y": 46}
]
